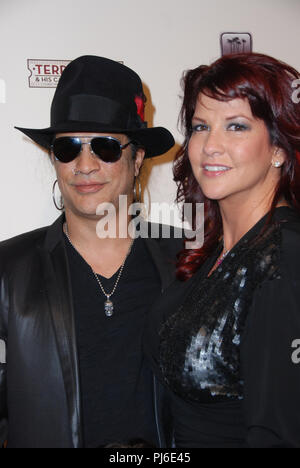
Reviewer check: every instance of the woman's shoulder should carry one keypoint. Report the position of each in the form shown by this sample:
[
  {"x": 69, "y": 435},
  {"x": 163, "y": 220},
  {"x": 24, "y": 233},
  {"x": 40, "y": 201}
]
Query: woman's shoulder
[
  {"x": 290, "y": 226},
  {"x": 275, "y": 252},
  {"x": 290, "y": 246},
  {"x": 277, "y": 249}
]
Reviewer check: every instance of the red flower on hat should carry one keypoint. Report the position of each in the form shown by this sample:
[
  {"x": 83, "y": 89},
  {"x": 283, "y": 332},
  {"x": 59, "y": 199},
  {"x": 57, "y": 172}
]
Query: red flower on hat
[{"x": 139, "y": 101}]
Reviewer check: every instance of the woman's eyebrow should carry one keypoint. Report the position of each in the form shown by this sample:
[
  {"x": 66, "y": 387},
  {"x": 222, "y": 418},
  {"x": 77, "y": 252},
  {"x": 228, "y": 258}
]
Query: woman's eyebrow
[
  {"x": 231, "y": 117},
  {"x": 199, "y": 119}
]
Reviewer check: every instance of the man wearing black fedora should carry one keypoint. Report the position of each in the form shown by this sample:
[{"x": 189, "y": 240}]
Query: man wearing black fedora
[{"x": 73, "y": 304}]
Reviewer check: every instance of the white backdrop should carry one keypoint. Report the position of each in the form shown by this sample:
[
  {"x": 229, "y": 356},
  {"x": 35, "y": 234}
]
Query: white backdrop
[{"x": 158, "y": 38}]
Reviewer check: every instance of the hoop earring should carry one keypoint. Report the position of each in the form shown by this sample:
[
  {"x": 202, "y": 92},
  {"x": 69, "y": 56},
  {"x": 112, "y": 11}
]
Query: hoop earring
[
  {"x": 137, "y": 191},
  {"x": 138, "y": 198},
  {"x": 61, "y": 207}
]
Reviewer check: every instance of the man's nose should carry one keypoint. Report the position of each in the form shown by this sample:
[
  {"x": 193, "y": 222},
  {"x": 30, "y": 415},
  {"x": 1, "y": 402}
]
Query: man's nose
[{"x": 87, "y": 161}]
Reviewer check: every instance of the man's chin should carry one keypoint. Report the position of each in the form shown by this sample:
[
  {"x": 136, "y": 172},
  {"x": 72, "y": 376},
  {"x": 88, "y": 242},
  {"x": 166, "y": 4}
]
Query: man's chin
[{"x": 87, "y": 213}]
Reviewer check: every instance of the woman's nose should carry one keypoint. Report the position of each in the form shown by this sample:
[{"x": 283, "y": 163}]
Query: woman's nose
[{"x": 214, "y": 143}]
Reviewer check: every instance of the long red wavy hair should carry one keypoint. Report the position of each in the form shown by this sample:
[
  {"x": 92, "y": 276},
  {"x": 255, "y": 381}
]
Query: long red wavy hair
[{"x": 267, "y": 84}]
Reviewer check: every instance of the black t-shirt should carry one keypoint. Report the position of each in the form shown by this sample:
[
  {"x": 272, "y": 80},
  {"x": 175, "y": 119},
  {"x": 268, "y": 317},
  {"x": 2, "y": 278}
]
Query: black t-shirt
[{"x": 116, "y": 383}]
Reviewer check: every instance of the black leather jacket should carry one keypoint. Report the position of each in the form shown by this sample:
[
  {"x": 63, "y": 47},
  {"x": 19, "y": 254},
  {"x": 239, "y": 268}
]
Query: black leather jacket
[{"x": 39, "y": 381}]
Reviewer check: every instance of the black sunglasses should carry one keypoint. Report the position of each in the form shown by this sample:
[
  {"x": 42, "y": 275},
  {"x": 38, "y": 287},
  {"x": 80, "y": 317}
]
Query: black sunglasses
[{"x": 107, "y": 148}]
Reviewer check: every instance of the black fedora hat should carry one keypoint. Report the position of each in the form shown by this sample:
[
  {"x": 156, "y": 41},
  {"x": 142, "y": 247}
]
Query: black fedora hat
[{"x": 96, "y": 94}]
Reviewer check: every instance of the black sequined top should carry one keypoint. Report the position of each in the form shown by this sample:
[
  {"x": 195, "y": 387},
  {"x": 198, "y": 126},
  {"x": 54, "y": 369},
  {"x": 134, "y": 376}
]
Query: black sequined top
[
  {"x": 222, "y": 345},
  {"x": 200, "y": 342}
]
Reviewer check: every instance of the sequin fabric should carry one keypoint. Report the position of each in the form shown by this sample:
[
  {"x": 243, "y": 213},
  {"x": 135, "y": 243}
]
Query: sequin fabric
[{"x": 200, "y": 342}]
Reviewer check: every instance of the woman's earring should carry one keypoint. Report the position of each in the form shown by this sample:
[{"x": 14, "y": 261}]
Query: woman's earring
[
  {"x": 275, "y": 162},
  {"x": 61, "y": 206}
]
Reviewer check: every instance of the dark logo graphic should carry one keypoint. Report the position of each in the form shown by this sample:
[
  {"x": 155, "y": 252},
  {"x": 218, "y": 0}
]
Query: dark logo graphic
[{"x": 236, "y": 43}]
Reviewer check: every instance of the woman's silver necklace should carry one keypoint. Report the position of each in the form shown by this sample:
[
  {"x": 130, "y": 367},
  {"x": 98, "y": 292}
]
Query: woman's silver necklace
[
  {"x": 108, "y": 304},
  {"x": 222, "y": 256}
]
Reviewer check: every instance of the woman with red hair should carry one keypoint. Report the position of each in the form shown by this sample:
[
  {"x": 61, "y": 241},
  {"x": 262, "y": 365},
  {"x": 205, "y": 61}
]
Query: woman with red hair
[{"x": 223, "y": 339}]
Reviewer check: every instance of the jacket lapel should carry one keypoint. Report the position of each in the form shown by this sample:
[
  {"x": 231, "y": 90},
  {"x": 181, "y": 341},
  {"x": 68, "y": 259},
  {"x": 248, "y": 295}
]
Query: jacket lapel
[
  {"x": 165, "y": 269},
  {"x": 163, "y": 251},
  {"x": 57, "y": 281}
]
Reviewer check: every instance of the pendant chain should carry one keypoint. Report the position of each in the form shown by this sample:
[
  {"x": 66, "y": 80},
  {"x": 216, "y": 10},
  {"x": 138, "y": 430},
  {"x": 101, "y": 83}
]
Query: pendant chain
[
  {"x": 108, "y": 305},
  {"x": 223, "y": 255}
]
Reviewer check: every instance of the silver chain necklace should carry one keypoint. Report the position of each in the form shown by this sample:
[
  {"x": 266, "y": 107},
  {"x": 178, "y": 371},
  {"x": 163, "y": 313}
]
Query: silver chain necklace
[
  {"x": 222, "y": 256},
  {"x": 108, "y": 304}
]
